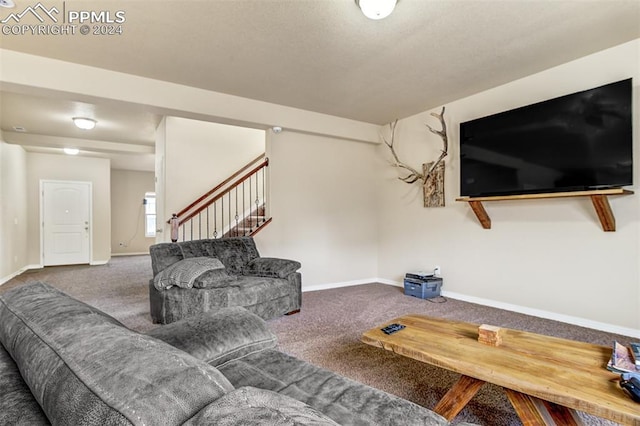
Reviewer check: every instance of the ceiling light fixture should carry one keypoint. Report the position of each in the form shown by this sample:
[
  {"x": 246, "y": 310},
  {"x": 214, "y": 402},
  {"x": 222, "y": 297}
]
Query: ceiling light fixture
[
  {"x": 84, "y": 123},
  {"x": 71, "y": 151},
  {"x": 376, "y": 9},
  {"x": 7, "y": 3}
]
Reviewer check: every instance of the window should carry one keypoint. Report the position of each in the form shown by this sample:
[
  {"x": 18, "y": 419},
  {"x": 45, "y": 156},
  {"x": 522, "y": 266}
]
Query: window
[{"x": 150, "y": 214}]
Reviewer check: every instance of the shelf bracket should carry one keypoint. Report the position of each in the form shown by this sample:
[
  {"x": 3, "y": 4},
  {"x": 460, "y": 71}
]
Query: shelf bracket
[
  {"x": 481, "y": 214},
  {"x": 603, "y": 210}
]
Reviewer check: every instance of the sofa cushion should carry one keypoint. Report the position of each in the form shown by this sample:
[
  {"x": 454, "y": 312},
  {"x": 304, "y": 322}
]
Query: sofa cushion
[
  {"x": 220, "y": 336},
  {"x": 234, "y": 252},
  {"x": 271, "y": 267},
  {"x": 198, "y": 248},
  {"x": 84, "y": 368},
  {"x": 247, "y": 291},
  {"x": 17, "y": 404},
  {"x": 176, "y": 303},
  {"x": 214, "y": 278},
  {"x": 185, "y": 272},
  {"x": 251, "y": 406},
  {"x": 343, "y": 400}
]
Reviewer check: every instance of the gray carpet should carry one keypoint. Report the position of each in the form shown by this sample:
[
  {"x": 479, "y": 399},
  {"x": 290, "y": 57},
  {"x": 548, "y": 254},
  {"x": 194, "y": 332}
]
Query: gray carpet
[{"x": 327, "y": 330}]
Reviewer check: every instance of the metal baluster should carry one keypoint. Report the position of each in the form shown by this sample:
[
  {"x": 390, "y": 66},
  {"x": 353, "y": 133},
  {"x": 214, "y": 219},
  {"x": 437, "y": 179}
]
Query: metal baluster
[
  {"x": 183, "y": 232},
  {"x": 208, "y": 221},
  {"x": 257, "y": 198},
  {"x": 199, "y": 226},
  {"x": 244, "y": 209},
  {"x": 236, "y": 188},
  {"x": 191, "y": 224},
  {"x": 250, "y": 198},
  {"x": 230, "y": 222},
  {"x": 222, "y": 211},
  {"x": 215, "y": 221}
]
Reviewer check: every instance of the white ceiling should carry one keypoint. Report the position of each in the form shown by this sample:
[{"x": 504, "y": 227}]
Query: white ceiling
[{"x": 317, "y": 55}]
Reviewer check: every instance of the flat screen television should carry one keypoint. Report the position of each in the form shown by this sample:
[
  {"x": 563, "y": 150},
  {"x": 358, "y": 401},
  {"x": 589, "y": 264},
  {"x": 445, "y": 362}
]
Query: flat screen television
[{"x": 576, "y": 142}]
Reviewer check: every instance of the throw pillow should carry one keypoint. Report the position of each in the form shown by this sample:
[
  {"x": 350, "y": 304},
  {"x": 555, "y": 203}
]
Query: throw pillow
[
  {"x": 184, "y": 272},
  {"x": 271, "y": 267}
]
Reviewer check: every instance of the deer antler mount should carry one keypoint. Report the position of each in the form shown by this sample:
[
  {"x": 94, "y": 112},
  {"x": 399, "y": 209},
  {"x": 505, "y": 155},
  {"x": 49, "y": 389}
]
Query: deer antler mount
[{"x": 432, "y": 175}]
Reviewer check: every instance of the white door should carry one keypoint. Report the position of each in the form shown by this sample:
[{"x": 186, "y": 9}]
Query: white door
[{"x": 66, "y": 222}]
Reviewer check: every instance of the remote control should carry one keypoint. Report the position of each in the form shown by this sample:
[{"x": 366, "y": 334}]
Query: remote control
[
  {"x": 392, "y": 328},
  {"x": 632, "y": 386}
]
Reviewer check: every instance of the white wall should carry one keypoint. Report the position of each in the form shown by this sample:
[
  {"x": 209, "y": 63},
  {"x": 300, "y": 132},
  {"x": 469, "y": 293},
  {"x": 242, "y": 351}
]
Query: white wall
[
  {"x": 198, "y": 155},
  {"x": 127, "y": 211},
  {"x": 13, "y": 210},
  {"x": 547, "y": 256},
  {"x": 323, "y": 203},
  {"x": 65, "y": 167}
]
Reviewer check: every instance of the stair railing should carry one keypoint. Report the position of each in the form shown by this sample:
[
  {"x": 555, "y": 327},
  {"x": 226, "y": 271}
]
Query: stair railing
[{"x": 235, "y": 207}]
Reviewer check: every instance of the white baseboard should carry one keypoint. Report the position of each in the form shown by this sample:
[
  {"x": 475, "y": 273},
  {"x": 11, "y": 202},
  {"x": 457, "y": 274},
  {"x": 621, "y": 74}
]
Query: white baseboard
[
  {"x": 338, "y": 285},
  {"x": 130, "y": 254},
  {"x": 18, "y": 272},
  {"x": 389, "y": 282},
  {"x": 582, "y": 322},
  {"x": 98, "y": 262}
]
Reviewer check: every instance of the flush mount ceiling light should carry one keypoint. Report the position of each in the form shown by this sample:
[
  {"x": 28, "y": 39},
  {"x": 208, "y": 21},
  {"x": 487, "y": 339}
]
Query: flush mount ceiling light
[
  {"x": 7, "y": 3},
  {"x": 71, "y": 151},
  {"x": 84, "y": 123},
  {"x": 376, "y": 9}
]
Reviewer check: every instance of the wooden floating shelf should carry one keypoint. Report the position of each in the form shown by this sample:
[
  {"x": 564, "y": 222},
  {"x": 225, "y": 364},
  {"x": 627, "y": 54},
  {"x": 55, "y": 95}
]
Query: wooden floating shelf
[{"x": 598, "y": 198}]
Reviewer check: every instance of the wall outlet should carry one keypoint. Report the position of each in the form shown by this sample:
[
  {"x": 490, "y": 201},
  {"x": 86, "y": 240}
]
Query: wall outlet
[{"x": 437, "y": 271}]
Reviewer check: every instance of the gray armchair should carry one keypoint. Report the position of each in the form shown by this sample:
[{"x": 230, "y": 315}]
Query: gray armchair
[{"x": 193, "y": 277}]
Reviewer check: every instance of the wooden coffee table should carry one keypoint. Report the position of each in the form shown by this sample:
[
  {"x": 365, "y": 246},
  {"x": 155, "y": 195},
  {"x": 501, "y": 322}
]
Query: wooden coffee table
[{"x": 545, "y": 378}]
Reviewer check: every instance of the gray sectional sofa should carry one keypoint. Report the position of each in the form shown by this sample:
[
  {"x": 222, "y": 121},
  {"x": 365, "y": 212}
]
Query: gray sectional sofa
[
  {"x": 63, "y": 362},
  {"x": 198, "y": 276}
]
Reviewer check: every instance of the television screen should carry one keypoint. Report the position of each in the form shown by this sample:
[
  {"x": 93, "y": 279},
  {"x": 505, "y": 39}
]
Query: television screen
[{"x": 575, "y": 142}]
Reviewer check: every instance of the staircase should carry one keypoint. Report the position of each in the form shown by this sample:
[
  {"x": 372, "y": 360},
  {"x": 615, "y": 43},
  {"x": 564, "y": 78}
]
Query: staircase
[
  {"x": 250, "y": 225},
  {"x": 235, "y": 207}
]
